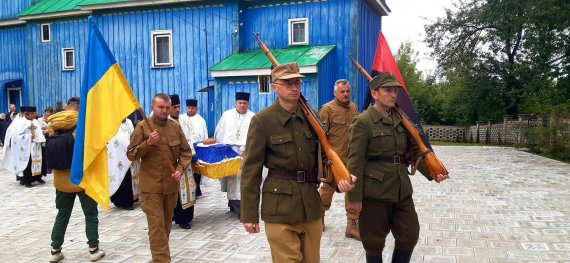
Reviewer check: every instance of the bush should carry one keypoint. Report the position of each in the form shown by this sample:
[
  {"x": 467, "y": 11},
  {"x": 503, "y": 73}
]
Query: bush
[{"x": 553, "y": 140}]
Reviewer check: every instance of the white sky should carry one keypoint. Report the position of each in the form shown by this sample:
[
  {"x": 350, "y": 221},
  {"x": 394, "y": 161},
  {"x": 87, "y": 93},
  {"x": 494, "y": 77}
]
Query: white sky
[{"x": 406, "y": 22}]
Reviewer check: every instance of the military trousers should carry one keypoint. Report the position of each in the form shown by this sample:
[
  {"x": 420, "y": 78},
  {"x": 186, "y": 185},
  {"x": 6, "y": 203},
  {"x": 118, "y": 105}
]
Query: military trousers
[
  {"x": 298, "y": 242},
  {"x": 378, "y": 218},
  {"x": 159, "y": 209},
  {"x": 326, "y": 192}
]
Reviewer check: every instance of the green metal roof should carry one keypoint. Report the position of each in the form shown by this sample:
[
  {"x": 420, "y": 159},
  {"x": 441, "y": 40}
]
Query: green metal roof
[
  {"x": 54, "y": 6},
  {"x": 255, "y": 59}
]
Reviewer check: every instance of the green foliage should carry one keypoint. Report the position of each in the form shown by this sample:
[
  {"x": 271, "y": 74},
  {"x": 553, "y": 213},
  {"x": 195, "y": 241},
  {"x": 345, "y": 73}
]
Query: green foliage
[
  {"x": 553, "y": 139},
  {"x": 424, "y": 94},
  {"x": 507, "y": 55}
]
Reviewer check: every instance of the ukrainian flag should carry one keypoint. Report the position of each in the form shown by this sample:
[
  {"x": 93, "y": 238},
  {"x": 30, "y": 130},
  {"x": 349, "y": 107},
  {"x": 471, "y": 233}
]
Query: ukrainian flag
[{"x": 105, "y": 100}]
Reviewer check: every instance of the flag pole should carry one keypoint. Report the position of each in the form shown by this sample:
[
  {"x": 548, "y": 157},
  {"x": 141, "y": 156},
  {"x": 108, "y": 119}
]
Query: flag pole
[{"x": 162, "y": 153}]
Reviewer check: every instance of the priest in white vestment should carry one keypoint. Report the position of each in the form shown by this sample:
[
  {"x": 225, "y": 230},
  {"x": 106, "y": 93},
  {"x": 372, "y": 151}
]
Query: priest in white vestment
[
  {"x": 195, "y": 129},
  {"x": 22, "y": 152},
  {"x": 232, "y": 130},
  {"x": 123, "y": 174}
]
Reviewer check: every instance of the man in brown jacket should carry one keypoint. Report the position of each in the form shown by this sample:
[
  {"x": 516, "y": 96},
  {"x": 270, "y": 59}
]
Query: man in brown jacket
[
  {"x": 281, "y": 139},
  {"x": 378, "y": 155},
  {"x": 337, "y": 115},
  {"x": 158, "y": 184}
]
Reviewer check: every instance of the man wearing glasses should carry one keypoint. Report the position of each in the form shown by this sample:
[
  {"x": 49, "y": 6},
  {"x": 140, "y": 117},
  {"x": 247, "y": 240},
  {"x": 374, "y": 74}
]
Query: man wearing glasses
[{"x": 280, "y": 139}]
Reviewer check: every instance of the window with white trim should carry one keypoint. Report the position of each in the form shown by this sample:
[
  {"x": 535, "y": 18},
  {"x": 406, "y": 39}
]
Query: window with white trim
[
  {"x": 45, "y": 33},
  {"x": 263, "y": 83},
  {"x": 162, "y": 49},
  {"x": 68, "y": 59},
  {"x": 298, "y": 31}
]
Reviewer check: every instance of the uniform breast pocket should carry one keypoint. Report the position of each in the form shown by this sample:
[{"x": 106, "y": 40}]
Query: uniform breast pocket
[
  {"x": 310, "y": 140},
  {"x": 174, "y": 146},
  {"x": 383, "y": 140},
  {"x": 277, "y": 199},
  {"x": 281, "y": 143}
]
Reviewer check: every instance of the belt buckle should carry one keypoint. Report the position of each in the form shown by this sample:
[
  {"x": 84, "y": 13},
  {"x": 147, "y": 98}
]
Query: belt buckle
[
  {"x": 396, "y": 159},
  {"x": 301, "y": 176}
]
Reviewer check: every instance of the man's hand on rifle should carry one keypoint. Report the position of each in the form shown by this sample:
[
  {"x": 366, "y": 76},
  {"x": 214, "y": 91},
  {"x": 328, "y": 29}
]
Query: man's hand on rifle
[
  {"x": 345, "y": 186},
  {"x": 440, "y": 178},
  {"x": 251, "y": 228}
]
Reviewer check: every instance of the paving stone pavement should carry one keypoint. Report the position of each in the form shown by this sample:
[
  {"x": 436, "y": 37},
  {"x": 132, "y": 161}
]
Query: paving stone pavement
[{"x": 501, "y": 205}]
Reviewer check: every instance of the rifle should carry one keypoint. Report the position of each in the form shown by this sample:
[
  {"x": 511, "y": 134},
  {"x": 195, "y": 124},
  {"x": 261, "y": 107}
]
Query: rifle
[
  {"x": 338, "y": 168},
  {"x": 433, "y": 163}
]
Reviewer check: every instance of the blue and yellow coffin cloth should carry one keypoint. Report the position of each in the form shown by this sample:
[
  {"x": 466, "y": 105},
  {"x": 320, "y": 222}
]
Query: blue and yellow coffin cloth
[{"x": 217, "y": 160}]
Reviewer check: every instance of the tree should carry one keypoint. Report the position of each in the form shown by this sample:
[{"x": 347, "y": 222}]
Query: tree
[
  {"x": 523, "y": 46},
  {"x": 423, "y": 92}
]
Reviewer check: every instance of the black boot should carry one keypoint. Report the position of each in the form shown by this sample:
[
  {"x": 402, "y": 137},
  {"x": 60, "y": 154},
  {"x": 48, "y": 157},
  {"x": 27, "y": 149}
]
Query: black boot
[
  {"x": 373, "y": 259},
  {"x": 401, "y": 256}
]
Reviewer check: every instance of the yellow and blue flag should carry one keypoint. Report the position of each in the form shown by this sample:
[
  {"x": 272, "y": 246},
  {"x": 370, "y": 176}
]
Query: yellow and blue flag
[{"x": 106, "y": 99}]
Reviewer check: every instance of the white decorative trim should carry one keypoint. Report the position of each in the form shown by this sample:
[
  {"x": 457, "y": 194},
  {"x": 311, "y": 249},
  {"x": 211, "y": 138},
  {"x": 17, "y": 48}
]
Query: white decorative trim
[
  {"x": 161, "y": 33},
  {"x": 64, "y": 66},
  {"x": 256, "y": 72},
  {"x": 42, "y": 33},
  {"x": 383, "y": 6},
  {"x": 290, "y": 31},
  {"x": 55, "y": 15},
  {"x": 11, "y": 22}
]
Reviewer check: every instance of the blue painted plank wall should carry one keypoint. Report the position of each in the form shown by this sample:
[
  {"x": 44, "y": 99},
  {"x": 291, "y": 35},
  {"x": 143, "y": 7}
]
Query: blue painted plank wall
[
  {"x": 9, "y": 8},
  {"x": 129, "y": 37},
  {"x": 348, "y": 24},
  {"x": 12, "y": 61},
  {"x": 329, "y": 24},
  {"x": 369, "y": 25}
]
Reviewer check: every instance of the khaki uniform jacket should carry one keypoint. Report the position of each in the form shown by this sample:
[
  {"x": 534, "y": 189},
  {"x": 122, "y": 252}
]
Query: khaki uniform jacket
[
  {"x": 374, "y": 134},
  {"x": 155, "y": 175},
  {"x": 337, "y": 118},
  {"x": 283, "y": 141}
]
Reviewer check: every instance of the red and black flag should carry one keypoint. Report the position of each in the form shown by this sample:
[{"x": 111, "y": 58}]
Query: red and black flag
[{"x": 384, "y": 62}]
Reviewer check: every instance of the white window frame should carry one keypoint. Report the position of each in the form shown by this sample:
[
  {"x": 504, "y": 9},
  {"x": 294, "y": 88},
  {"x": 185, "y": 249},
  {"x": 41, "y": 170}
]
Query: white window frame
[
  {"x": 64, "y": 66},
  {"x": 42, "y": 40},
  {"x": 290, "y": 31},
  {"x": 259, "y": 88},
  {"x": 161, "y": 33}
]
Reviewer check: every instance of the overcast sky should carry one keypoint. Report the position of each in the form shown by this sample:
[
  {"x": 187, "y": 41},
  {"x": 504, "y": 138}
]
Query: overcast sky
[{"x": 406, "y": 22}]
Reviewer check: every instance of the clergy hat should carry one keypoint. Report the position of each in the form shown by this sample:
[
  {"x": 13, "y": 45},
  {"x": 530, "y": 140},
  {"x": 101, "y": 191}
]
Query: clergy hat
[
  {"x": 242, "y": 96},
  {"x": 385, "y": 79},
  {"x": 174, "y": 99},
  {"x": 28, "y": 109},
  {"x": 191, "y": 103}
]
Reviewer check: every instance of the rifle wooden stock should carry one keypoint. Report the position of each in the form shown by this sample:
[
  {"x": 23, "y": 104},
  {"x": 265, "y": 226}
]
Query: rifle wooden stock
[
  {"x": 338, "y": 169},
  {"x": 433, "y": 163}
]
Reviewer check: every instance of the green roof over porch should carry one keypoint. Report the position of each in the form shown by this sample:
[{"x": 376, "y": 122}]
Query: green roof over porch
[
  {"x": 250, "y": 62},
  {"x": 54, "y": 6}
]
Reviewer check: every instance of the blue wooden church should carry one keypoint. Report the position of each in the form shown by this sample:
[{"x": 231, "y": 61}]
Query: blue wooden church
[{"x": 198, "y": 49}]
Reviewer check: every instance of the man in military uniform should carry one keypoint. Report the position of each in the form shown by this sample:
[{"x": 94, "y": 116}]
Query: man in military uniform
[
  {"x": 158, "y": 184},
  {"x": 337, "y": 116},
  {"x": 280, "y": 138},
  {"x": 378, "y": 153}
]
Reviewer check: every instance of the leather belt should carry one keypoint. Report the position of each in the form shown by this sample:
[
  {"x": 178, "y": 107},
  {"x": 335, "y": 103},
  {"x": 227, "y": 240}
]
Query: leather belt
[
  {"x": 396, "y": 159},
  {"x": 299, "y": 176}
]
